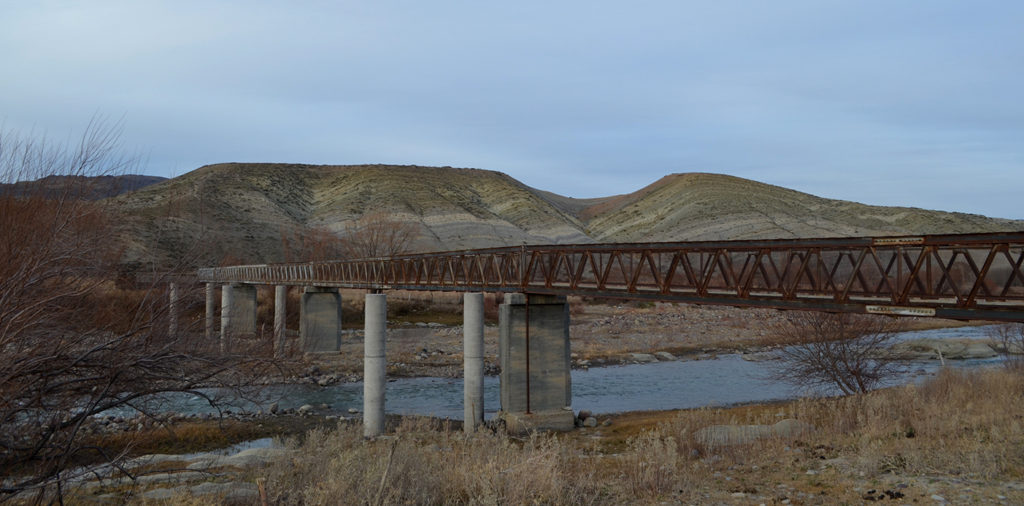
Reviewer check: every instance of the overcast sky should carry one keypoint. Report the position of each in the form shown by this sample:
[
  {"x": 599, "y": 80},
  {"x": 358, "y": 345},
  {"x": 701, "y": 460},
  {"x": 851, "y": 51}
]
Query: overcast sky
[{"x": 883, "y": 102}]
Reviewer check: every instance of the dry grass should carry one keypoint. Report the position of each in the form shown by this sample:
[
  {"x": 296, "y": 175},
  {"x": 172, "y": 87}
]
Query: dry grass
[{"x": 960, "y": 427}]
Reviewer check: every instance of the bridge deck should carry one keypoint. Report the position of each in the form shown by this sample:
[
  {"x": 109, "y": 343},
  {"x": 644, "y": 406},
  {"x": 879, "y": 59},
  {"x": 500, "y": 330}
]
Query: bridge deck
[{"x": 970, "y": 276}]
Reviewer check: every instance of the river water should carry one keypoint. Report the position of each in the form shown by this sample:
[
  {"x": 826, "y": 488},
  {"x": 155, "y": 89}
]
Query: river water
[{"x": 718, "y": 381}]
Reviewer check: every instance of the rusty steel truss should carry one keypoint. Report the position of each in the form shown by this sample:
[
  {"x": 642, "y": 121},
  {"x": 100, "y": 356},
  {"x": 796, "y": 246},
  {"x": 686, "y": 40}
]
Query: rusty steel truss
[{"x": 973, "y": 276}]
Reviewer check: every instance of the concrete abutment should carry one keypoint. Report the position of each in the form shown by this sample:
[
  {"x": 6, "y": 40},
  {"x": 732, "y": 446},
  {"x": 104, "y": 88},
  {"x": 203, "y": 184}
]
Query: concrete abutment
[
  {"x": 320, "y": 320},
  {"x": 237, "y": 313},
  {"x": 533, "y": 348}
]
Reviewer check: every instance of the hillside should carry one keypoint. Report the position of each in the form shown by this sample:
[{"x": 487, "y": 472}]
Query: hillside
[
  {"x": 92, "y": 188},
  {"x": 244, "y": 212},
  {"x": 700, "y": 206}
]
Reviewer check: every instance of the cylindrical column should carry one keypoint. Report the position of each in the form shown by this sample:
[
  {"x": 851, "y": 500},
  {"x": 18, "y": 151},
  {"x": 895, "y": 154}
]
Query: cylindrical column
[
  {"x": 210, "y": 308},
  {"x": 280, "y": 301},
  {"x": 374, "y": 364},
  {"x": 227, "y": 299},
  {"x": 473, "y": 360},
  {"x": 172, "y": 311}
]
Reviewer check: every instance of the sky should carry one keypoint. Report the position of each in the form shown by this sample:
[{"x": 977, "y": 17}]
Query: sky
[{"x": 883, "y": 102}]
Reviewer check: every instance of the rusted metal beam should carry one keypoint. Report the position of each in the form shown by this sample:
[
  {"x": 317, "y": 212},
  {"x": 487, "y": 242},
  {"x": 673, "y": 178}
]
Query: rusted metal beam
[{"x": 817, "y": 274}]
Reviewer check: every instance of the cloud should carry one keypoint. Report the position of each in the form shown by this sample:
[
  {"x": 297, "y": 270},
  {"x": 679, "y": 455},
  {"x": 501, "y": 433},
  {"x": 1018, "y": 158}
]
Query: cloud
[{"x": 845, "y": 100}]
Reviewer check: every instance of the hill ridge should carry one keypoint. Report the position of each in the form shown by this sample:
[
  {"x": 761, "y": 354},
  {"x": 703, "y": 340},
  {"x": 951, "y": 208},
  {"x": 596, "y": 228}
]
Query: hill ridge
[{"x": 247, "y": 210}]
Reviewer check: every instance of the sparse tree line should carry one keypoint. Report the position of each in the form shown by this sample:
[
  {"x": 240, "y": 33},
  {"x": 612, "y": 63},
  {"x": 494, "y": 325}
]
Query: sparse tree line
[
  {"x": 76, "y": 337},
  {"x": 80, "y": 335}
]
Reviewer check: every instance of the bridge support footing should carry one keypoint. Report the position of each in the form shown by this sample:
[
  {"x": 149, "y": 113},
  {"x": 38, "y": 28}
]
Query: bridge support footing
[
  {"x": 536, "y": 385},
  {"x": 473, "y": 360},
  {"x": 374, "y": 364},
  {"x": 237, "y": 313},
  {"x": 320, "y": 320}
]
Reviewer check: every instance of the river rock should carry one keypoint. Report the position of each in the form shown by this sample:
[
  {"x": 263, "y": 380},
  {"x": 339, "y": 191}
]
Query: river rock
[
  {"x": 664, "y": 355},
  {"x": 758, "y": 357},
  {"x": 273, "y": 408},
  {"x": 791, "y": 427},
  {"x": 305, "y": 409},
  {"x": 644, "y": 358},
  {"x": 725, "y": 435},
  {"x": 590, "y": 422},
  {"x": 950, "y": 349}
]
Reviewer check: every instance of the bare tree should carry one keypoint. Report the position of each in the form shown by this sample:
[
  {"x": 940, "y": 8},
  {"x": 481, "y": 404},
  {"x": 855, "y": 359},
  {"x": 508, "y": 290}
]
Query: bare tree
[
  {"x": 312, "y": 245},
  {"x": 846, "y": 351},
  {"x": 64, "y": 360},
  {"x": 376, "y": 235},
  {"x": 1009, "y": 339}
]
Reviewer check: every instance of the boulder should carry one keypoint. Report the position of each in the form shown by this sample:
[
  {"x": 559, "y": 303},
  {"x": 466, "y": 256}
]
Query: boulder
[
  {"x": 664, "y": 355},
  {"x": 758, "y": 357},
  {"x": 726, "y": 435},
  {"x": 643, "y": 358},
  {"x": 949, "y": 349},
  {"x": 791, "y": 427}
]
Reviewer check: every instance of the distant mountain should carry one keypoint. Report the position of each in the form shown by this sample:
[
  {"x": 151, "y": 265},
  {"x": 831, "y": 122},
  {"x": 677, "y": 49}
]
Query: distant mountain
[
  {"x": 91, "y": 188},
  {"x": 248, "y": 212}
]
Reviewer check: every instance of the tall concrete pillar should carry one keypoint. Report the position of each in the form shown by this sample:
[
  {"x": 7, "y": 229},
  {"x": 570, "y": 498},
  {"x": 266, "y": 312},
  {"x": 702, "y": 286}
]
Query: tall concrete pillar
[
  {"x": 374, "y": 364},
  {"x": 237, "y": 313},
  {"x": 320, "y": 320},
  {"x": 210, "y": 308},
  {"x": 172, "y": 310},
  {"x": 536, "y": 385},
  {"x": 473, "y": 360},
  {"x": 280, "y": 313}
]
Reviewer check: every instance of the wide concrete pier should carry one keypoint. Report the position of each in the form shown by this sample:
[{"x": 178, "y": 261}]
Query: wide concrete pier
[
  {"x": 533, "y": 348},
  {"x": 237, "y": 313},
  {"x": 320, "y": 321}
]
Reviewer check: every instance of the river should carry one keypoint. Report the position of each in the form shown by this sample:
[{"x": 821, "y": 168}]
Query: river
[{"x": 718, "y": 381}]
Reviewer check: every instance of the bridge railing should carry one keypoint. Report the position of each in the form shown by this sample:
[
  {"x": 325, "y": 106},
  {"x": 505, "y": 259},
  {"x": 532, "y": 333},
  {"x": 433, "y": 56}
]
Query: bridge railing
[{"x": 954, "y": 276}]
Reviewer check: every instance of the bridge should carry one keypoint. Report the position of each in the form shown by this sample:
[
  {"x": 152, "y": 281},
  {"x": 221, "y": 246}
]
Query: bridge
[{"x": 963, "y": 276}]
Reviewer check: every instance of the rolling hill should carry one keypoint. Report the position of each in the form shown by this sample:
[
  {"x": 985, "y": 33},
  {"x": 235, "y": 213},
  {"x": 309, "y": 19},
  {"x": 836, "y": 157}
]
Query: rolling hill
[{"x": 247, "y": 212}]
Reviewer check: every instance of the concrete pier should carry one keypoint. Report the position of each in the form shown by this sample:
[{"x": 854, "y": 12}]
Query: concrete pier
[
  {"x": 237, "y": 313},
  {"x": 210, "y": 308},
  {"x": 473, "y": 360},
  {"x": 536, "y": 386},
  {"x": 374, "y": 364},
  {"x": 320, "y": 320},
  {"x": 280, "y": 314}
]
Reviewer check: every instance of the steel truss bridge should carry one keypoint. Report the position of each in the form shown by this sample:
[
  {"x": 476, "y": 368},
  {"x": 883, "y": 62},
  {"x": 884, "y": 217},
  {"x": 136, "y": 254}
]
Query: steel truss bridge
[{"x": 968, "y": 276}]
